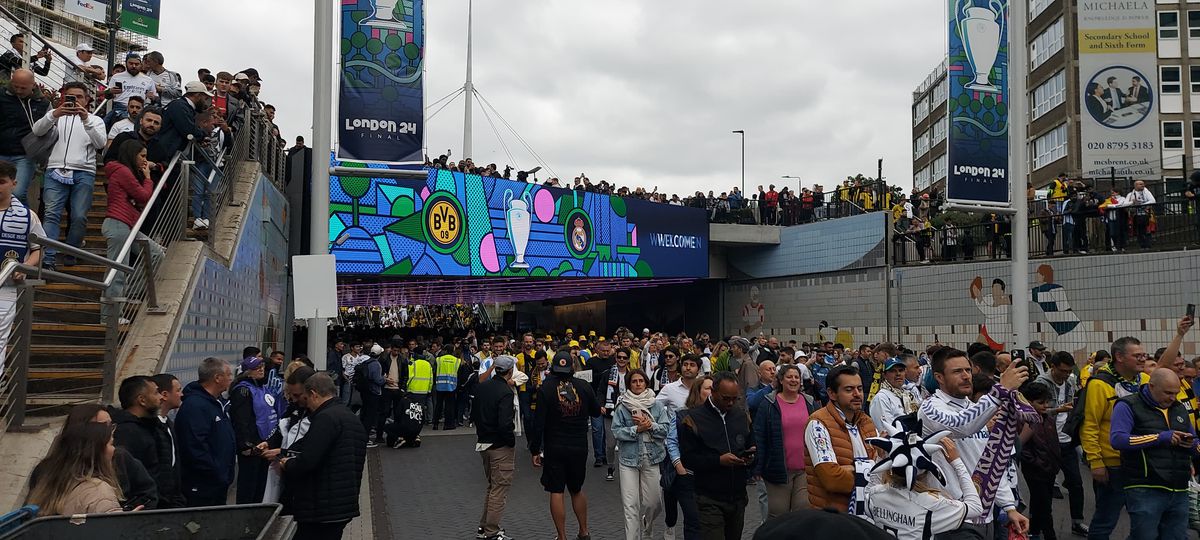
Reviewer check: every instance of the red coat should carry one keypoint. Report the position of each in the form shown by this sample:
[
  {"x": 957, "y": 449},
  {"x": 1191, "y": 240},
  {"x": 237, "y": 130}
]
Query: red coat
[{"x": 126, "y": 196}]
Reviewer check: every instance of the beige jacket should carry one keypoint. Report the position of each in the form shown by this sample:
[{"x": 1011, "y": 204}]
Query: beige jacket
[{"x": 91, "y": 496}]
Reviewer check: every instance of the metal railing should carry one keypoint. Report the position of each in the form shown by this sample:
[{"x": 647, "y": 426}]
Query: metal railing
[
  {"x": 1170, "y": 224},
  {"x": 62, "y": 68},
  {"x": 15, "y": 377}
]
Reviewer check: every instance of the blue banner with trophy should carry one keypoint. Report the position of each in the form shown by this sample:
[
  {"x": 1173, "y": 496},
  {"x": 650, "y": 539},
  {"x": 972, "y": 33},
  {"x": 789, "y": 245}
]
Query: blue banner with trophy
[
  {"x": 977, "y": 105},
  {"x": 381, "y": 99}
]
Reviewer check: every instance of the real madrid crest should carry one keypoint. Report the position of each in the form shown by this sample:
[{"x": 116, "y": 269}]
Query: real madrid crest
[
  {"x": 10, "y": 254},
  {"x": 578, "y": 232}
]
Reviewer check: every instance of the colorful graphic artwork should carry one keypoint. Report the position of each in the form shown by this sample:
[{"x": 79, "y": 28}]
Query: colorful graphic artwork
[
  {"x": 455, "y": 224},
  {"x": 977, "y": 76},
  {"x": 381, "y": 114}
]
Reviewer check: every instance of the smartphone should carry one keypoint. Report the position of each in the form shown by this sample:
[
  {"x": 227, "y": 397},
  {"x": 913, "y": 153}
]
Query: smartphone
[
  {"x": 747, "y": 455},
  {"x": 70, "y": 99},
  {"x": 120, "y": 86},
  {"x": 1191, "y": 310},
  {"x": 1018, "y": 357}
]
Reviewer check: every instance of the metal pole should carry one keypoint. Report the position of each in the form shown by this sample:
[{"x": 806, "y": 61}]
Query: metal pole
[
  {"x": 469, "y": 89},
  {"x": 1018, "y": 165},
  {"x": 112, "y": 36},
  {"x": 744, "y": 164},
  {"x": 887, "y": 273},
  {"x": 23, "y": 350},
  {"x": 322, "y": 144}
]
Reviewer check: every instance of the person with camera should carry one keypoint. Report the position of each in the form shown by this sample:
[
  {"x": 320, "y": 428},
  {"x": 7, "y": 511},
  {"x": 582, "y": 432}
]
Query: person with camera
[{"x": 71, "y": 170}]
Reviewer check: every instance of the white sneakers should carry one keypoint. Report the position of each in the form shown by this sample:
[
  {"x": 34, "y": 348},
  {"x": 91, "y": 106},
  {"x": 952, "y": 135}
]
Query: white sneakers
[{"x": 200, "y": 224}]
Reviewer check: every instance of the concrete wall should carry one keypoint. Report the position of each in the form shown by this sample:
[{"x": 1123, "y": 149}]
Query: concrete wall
[
  {"x": 243, "y": 303},
  {"x": 1089, "y": 302}
]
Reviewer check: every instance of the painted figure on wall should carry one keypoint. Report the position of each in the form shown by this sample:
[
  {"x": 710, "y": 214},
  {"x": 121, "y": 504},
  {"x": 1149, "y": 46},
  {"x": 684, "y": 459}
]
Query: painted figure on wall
[
  {"x": 996, "y": 308},
  {"x": 754, "y": 314},
  {"x": 841, "y": 336},
  {"x": 1052, "y": 298}
]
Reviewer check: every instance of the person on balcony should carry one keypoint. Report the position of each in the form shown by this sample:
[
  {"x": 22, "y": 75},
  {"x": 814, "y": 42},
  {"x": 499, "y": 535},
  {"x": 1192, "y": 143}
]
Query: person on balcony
[{"x": 13, "y": 60}]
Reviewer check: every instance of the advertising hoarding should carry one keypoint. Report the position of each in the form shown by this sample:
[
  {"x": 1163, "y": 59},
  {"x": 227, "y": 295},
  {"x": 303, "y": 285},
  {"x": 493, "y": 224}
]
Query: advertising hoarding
[
  {"x": 141, "y": 16},
  {"x": 977, "y": 108},
  {"x": 455, "y": 224}
]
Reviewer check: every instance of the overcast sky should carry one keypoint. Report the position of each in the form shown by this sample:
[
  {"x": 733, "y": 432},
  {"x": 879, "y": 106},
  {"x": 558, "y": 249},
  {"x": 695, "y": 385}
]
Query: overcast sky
[{"x": 632, "y": 91}]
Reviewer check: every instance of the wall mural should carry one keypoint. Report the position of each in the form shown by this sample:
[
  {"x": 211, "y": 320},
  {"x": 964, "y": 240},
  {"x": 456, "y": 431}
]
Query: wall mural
[
  {"x": 1051, "y": 299},
  {"x": 455, "y": 224},
  {"x": 996, "y": 308}
]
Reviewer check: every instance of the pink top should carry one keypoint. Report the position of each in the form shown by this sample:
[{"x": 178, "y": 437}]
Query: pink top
[{"x": 795, "y": 418}]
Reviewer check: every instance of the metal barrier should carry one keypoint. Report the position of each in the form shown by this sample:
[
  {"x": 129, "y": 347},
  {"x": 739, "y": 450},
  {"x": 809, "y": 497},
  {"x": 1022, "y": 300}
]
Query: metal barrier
[{"x": 62, "y": 67}]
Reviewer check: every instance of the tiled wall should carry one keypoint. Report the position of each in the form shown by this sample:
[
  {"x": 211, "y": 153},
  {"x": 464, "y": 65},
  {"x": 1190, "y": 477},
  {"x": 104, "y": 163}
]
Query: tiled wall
[
  {"x": 243, "y": 304},
  {"x": 1111, "y": 296}
]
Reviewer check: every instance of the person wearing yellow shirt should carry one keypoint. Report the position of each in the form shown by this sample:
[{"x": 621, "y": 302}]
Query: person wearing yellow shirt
[
  {"x": 1121, "y": 377},
  {"x": 1187, "y": 396}
]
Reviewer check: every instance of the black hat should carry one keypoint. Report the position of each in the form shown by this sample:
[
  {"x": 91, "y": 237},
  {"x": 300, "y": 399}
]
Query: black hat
[
  {"x": 253, "y": 73},
  {"x": 562, "y": 363},
  {"x": 1036, "y": 346},
  {"x": 804, "y": 524}
]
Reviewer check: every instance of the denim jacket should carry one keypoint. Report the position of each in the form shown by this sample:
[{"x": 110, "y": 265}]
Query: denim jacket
[{"x": 632, "y": 446}]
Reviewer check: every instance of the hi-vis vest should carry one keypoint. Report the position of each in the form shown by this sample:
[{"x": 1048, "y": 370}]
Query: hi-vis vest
[
  {"x": 420, "y": 376},
  {"x": 447, "y": 373}
]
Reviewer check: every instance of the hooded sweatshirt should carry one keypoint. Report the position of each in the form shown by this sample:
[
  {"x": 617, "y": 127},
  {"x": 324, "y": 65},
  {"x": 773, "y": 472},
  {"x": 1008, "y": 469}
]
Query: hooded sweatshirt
[{"x": 78, "y": 140}]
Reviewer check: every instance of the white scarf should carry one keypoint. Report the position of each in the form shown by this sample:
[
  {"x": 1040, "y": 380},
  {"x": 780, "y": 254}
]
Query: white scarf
[{"x": 636, "y": 402}]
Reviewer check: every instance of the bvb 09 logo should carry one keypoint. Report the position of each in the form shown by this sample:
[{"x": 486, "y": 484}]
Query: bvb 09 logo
[{"x": 443, "y": 222}]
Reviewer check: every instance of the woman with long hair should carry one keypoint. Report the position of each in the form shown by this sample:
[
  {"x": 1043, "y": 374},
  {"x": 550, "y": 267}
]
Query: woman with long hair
[
  {"x": 640, "y": 424},
  {"x": 779, "y": 434},
  {"x": 129, "y": 189},
  {"x": 78, "y": 475}
]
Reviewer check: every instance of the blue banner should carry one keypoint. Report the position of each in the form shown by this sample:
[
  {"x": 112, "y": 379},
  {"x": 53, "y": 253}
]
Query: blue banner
[
  {"x": 455, "y": 224},
  {"x": 977, "y": 108},
  {"x": 381, "y": 101}
]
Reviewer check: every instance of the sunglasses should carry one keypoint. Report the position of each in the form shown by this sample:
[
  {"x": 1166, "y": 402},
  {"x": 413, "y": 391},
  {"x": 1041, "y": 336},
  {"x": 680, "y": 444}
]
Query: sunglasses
[
  {"x": 622, "y": 357},
  {"x": 669, "y": 355}
]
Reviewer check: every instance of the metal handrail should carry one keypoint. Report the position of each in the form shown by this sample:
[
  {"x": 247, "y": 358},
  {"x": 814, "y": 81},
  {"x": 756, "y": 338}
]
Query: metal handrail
[
  {"x": 127, "y": 247},
  {"x": 67, "y": 63}
]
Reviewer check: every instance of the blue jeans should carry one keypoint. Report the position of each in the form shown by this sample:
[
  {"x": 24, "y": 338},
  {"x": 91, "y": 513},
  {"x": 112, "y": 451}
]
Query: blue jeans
[
  {"x": 1110, "y": 499},
  {"x": 598, "y": 437},
  {"x": 1068, "y": 237},
  {"x": 118, "y": 113},
  {"x": 25, "y": 170},
  {"x": 116, "y": 232},
  {"x": 56, "y": 196},
  {"x": 1157, "y": 513},
  {"x": 200, "y": 190}
]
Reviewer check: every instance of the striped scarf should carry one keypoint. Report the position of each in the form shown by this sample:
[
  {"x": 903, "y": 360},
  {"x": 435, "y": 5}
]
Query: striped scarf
[{"x": 997, "y": 453}]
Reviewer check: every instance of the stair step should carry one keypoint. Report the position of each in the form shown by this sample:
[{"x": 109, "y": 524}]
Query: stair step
[
  {"x": 67, "y": 288},
  {"x": 70, "y": 351},
  {"x": 65, "y": 399},
  {"x": 50, "y": 307},
  {"x": 74, "y": 328},
  {"x": 60, "y": 373}
]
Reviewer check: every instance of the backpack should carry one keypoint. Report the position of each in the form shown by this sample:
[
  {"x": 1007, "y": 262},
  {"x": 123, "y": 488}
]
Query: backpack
[
  {"x": 1075, "y": 418},
  {"x": 362, "y": 383}
]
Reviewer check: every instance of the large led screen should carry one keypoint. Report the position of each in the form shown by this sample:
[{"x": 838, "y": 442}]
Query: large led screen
[{"x": 455, "y": 224}]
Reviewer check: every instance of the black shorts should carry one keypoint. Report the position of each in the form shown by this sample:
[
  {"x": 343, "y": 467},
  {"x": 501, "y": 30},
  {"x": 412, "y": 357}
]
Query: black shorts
[{"x": 564, "y": 469}]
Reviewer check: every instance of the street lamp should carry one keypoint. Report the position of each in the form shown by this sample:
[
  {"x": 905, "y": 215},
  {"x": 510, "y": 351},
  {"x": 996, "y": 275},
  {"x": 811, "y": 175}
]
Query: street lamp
[
  {"x": 799, "y": 182},
  {"x": 742, "y": 132}
]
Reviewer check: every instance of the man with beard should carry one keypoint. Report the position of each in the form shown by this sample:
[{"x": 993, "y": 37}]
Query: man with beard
[
  {"x": 835, "y": 439},
  {"x": 558, "y": 440},
  {"x": 131, "y": 82},
  {"x": 149, "y": 123}
]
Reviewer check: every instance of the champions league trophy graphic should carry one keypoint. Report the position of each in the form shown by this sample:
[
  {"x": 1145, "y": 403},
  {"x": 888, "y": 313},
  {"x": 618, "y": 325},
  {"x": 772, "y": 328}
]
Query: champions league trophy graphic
[
  {"x": 383, "y": 17},
  {"x": 518, "y": 221},
  {"x": 980, "y": 30}
]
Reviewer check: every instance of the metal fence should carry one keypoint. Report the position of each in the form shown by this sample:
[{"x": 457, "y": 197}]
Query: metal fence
[{"x": 62, "y": 68}]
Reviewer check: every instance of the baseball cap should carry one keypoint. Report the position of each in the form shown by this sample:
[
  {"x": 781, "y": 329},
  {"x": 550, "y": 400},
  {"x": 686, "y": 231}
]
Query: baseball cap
[
  {"x": 892, "y": 363},
  {"x": 1036, "y": 346},
  {"x": 241, "y": 77},
  {"x": 573, "y": 343},
  {"x": 562, "y": 363},
  {"x": 83, "y": 47},
  {"x": 645, "y": 330},
  {"x": 252, "y": 73},
  {"x": 504, "y": 362},
  {"x": 251, "y": 363},
  {"x": 196, "y": 87},
  {"x": 801, "y": 353}
]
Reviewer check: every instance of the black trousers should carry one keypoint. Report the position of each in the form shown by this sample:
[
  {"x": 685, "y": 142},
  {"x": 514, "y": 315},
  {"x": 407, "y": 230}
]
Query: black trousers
[
  {"x": 320, "y": 531},
  {"x": 721, "y": 520},
  {"x": 1041, "y": 502},
  {"x": 370, "y": 410},
  {"x": 206, "y": 496},
  {"x": 1072, "y": 479},
  {"x": 389, "y": 407},
  {"x": 251, "y": 479},
  {"x": 681, "y": 495},
  {"x": 1141, "y": 224},
  {"x": 444, "y": 406}
]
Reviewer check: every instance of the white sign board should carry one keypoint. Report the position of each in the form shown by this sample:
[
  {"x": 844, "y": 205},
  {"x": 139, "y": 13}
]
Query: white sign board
[
  {"x": 96, "y": 10},
  {"x": 314, "y": 286}
]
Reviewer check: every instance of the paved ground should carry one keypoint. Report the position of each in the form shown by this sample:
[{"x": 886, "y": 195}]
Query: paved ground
[{"x": 436, "y": 492}]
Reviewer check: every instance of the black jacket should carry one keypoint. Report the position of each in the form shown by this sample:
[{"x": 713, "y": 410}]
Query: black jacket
[
  {"x": 149, "y": 440},
  {"x": 493, "y": 413},
  {"x": 771, "y": 459},
  {"x": 14, "y": 119},
  {"x": 179, "y": 121},
  {"x": 323, "y": 478},
  {"x": 385, "y": 364},
  {"x": 154, "y": 151},
  {"x": 703, "y": 437},
  {"x": 563, "y": 415}
]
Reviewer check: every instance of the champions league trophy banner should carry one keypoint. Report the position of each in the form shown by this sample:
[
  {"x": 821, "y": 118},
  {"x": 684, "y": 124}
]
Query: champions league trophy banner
[
  {"x": 381, "y": 101},
  {"x": 977, "y": 105}
]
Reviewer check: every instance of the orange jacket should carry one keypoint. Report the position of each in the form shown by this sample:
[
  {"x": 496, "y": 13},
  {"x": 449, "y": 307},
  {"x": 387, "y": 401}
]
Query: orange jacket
[{"x": 829, "y": 484}]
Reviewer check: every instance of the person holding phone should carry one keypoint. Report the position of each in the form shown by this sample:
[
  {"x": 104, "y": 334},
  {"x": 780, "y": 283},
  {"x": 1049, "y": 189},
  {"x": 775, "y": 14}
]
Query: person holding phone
[
  {"x": 716, "y": 445},
  {"x": 640, "y": 425}
]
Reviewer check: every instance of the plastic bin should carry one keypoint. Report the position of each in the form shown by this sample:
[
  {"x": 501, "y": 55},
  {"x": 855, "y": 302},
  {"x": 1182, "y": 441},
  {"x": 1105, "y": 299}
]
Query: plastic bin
[{"x": 240, "y": 522}]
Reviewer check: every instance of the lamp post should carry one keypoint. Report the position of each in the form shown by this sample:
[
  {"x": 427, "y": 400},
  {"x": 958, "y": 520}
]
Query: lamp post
[
  {"x": 742, "y": 132},
  {"x": 799, "y": 186}
]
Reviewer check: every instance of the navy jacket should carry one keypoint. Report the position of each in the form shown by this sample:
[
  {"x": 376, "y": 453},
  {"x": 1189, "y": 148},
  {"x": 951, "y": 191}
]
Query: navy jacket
[
  {"x": 179, "y": 121},
  {"x": 14, "y": 119},
  {"x": 771, "y": 459},
  {"x": 205, "y": 440}
]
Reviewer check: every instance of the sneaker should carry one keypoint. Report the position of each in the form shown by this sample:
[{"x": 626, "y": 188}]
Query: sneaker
[
  {"x": 123, "y": 321},
  {"x": 397, "y": 444},
  {"x": 480, "y": 536},
  {"x": 205, "y": 223},
  {"x": 199, "y": 224},
  {"x": 498, "y": 536},
  {"x": 1079, "y": 529},
  {"x": 609, "y": 476},
  {"x": 69, "y": 260},
  {"x": 372, "y": 444},
  {"x": 600, "y": 462}
]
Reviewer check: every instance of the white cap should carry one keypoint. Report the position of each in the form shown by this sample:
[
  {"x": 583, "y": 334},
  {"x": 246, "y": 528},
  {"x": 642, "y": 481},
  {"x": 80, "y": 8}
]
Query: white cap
[
  {"x": 801, "y": 353},
  {"x": 196, "y": 87},
  {"x": 645, "y": 330},
  {"x": 83, "y": 47},
  {"x": 241, "y": 77}
]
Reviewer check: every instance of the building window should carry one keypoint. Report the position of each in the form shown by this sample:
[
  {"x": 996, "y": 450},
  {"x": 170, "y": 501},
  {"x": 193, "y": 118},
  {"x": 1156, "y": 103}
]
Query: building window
[
  {"x": 1168, "y": 25},
  {"x": 940, "y": 92},
  {"x": 1195, "y": 135},
  {"x": 1050, "y": 94},
  {"x": 1046, "y": 44},
  {"x": 1169, "y": 80},
  {"x": 1050, "y": 147},
  {"x": 1172, "y": 135},
  {"x": 1195, "y": 79},
  {"x": 1194, "y": 24},
  {"x": 48, "y": 4},
  {"x": 45, "y": 29},
  {"x": 939, "y": 131},
  {"x": 920, "y": 111},
  {"x": 939, "y": 168},
  {"x": 1036, "y": 7}
]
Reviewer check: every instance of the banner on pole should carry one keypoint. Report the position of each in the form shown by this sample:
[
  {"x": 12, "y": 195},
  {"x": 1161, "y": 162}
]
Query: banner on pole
[
  {"x": 141, "y": 16},
  {"x": 381, "y": 102},
  {"x": 977, "y": 106},
  {"x": 1118, "y": 79},
  {"x": 93, "y": 10}
]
